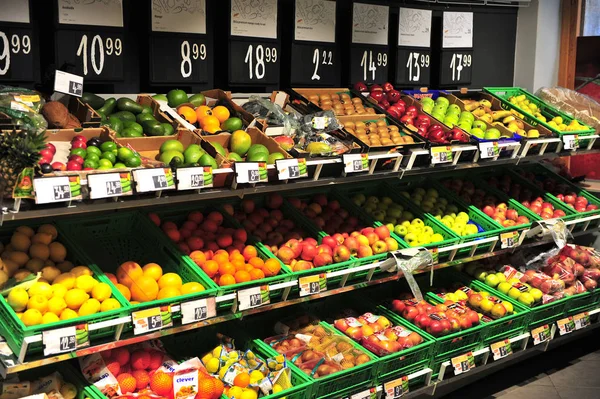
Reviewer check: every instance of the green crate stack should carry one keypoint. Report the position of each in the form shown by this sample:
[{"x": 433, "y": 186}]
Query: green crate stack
[
  {"x": 504, "y": 93},
  {"x": 67, "y": 371},
  {"x": 179, "y": 215},
  {"x": 130, "y": 236},
  {"x": 491, "y": 227},
  {"x": 13, "y": 329}
]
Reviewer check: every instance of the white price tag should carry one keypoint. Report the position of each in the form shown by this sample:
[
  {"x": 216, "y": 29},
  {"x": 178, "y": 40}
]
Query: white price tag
[
  {"x": 463, "y": 363},
  {"x": 565, "y": 326},
  {"x": 540, "y": 334},
  {"x": 253, "y": 297},
  {"x": 152, "y": 319},
  {"x": 155, "y": 179},
  {"x": 581, "y": 320},
  {"x": 488, "y": 150},
  {"x": 198, "y": 310},
  {"x": 291, "y": 168},
  {"x": 52, "y": 189},
  {"x": 105, "y": 185},
  {"x": 250, "y": 172},
  {"x": 311, "y": 285},
  {"x": 396, "y": 389},
  {"x": 501, "y": 349},
  {"x": 571, "y": 142},
  {"x": 441, "y": 154},
  {"x": 355, "y": 162},
  {"x": 66, "y": 339},
  {"x": 68, "y": 83},
  {"x": 194, "y": 178}
]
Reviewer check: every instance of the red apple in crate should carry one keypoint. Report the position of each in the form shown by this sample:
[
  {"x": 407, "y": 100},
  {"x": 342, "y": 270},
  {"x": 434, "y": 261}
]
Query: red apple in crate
[
  {"x": 79, "y": 144},
  {"x": 341, "y": 254},
  {"x": 59, "y": 166},
  {"x": 360, "y": 86},
  {"x": 376, "y": 95},
  {"x": 387, "y": 86},
  {"x": 74, "y": 165}
]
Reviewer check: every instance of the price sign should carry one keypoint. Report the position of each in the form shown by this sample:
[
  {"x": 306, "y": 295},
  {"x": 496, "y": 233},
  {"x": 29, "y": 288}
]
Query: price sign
[
  {"x": 396, "y": 389},
  {"x": 489, "y": 150},
  {"x": 456, "y": 67},
  {"x": 509, "y": 240},
  {"x": 156, "y": 179},
  {"x": 540, "y": 334},
  {"x": 570, "y": 142},
  {"x": 463, "y": 363},
  {"x": 66, "y": 339},
  {"x": 250, "y": 172},
  {"x": 355, "y": 163},
  {"x": 413, "y": 67},
  {"x": 370, "y": 393},
  {"x": 106, "y": 185},
  {"x": 414, "y": 42},
  {"x": 194, "y": 178},
  {"x": 310, "y": 285},
  {"x": 441, "y": 154},
  {"x": 16, "y": 54},
  {"x": 253, "y": 297},
  {"x": 291, "y": 168},
  {"x": 152, "y": 319},
  {"x": 581, "y": 320},
  {"x": 97, "y": 56},
  {"x": 315, "y": 64},
  {"x": 566, "y": 325},
  {"x": 56, "y": 189},
  {"x": 68, "y": 83},
  {"x": 188, "y": 57},
  {"x": 256, "y": 62},
  {"x": 501, "y": 349},
  {"x": 198, "y": 310},
  {"x": 369, "y": 64}
]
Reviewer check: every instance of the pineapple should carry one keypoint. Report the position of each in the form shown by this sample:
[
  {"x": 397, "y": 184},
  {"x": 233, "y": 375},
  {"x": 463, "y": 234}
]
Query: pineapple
[{"x": 18, "y": 150}]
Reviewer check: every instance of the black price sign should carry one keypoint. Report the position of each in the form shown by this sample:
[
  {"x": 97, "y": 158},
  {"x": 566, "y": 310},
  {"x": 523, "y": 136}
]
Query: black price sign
[
  {"x": 456, "y": 67},
  {"x": 196, "y": 180},
  {"x": 294, "y": 171},
  {"x": 315, "y": 64},
  {"x": 200, "y": 313},
  {"x": 254, "y": 62},
  {"x": 68, "y": 344},
  {"x": 413, "y": 67},
  {"x": 159, "y": 181},
  {"x": 113, "y": 188},
  {"x": 188, "y": 59},
  {"x": 369, "y": 64},
  {"x": 61, "y": 192},
  {"x": 95, "y": 55},
  {"x": 255, "y": 300},
  {"x": 253, "y": 176},
  {"x": 155, "y": 322},
  {"x": 16, "y": 55}
]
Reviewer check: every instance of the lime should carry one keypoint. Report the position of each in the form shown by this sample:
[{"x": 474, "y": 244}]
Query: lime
[
  {"x": 105, "y": 163},
  {"x": 79, "y": 151},
  {"x": 219, "y": 148},
  {"x": 176, "y": 97},
  {"x": 124, "y": 154},
  {"x": 105, "y": 167},
  {"x": 197, "y": 99},
  {"x": 171, "y": 155},
  {"x": 207, "y": 160},
  {"x": 108, "y": 146},
  {"x": 168, "y": 128},
  {"x": 232, "y": 156},
  {"x": 146, "y": 109},
  {"x": 232, "y": 124},
  {"x": 94, "y": 150},
  {"x": 133, "y": 162},
  {"x": 110, "y": 156},
  {"x": 141, "y": 118},
  {"x": 274, "y": 156},
  {"x": 174, "y": 145},
  {"x": 90, "y": 164},
  {"x": 161, "y": 97},
  {"x": 119, "y": 165},
  {"x": 93, "y": 157},
  {"x": 256, "y": 148},
  {"x": 193, "y": 153}
]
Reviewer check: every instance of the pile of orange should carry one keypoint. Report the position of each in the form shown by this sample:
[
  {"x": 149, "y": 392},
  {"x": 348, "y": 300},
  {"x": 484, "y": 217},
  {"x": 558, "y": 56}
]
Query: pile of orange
[
  {"x": 209, "y": 119},
  {"x": 235, "y": 267}
]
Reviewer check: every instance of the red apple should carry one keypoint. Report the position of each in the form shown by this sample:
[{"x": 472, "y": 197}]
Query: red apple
[
  {"x": 59, "y": 166},
  {"x": 329, "y": 241},
  {"x": 295, "y": 245},
  {"x": 364, "y": 251},
  {"x": 352, "y": 244},
  {"x": 73, "y": 165},
  {"x": 322, "y": 259},
  {"x": 51, "y": 147},
  {"x": 341, "y": 254},
  {"x": 79, "y": 144},
  {"x": 338, "y": 238},
  {"x": 382, "y": 232},
  {"x": 379, "y": 247},
  {"x": 76, "y": 158},
  {"x": 360, "y": 86}
]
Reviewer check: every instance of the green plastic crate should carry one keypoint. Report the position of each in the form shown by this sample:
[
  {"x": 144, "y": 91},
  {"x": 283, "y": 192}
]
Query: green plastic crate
[
  {"x": 130, "y": 236},
  {"x": 583, "y": 302},
  {"x": 14, "y": 331},
  {"x": 504, "y": 93},
  {"x": 66, "y": 370}
]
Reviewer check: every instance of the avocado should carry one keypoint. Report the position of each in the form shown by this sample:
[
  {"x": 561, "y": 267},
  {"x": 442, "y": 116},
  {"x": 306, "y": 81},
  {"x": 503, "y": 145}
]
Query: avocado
[
  {"x": 92, "y": 100},
  {"x": 108, "y": 107},
  {"x": 124, "y": 116},
  {"x": 143, "y": 117},
  {"x": 133, "y": 125},
  {"x": 207, "y": 160},
  {"x": 256, "y": 148},
  {"x": 127, "y": 104},
  {"x": 115, "y": 124},
  {"x": 146, "y": 109},
  {"x": 131, "y": 132},
  {"x": 169, "y": 131},
  {"x": 219, "y": 148},
  {"x": 153, "y": 128},
  {"x": 193, "y": 153}
]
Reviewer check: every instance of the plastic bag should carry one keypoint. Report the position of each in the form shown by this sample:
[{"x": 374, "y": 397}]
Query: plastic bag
[
  {"x": 23, "y": 107},
  {"x": 316, "y": 135},
  {"x": 274, "y": 115},
  {"x": 576, "y": 104}
]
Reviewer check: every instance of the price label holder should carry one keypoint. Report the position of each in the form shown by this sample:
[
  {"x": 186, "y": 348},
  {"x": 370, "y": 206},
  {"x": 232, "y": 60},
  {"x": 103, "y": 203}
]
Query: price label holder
[
  {"x": 311, "y": 285},
  {"x": 509, "y": 240},
  {"x": 501, "y": 349},
  {"x": 291, "y": 168},
  {"x": 152, "y": 319},
  {"x": 570, "y": 142},
  {"x": 250, "y": 172},
  {"x": 370, "y": 393},
  {"x": 198, "y": 310},
  {"x": 463, "y": 363},
  {"x": 354, "y": 163},
  {"x": 49, "y": 190},
  {"x": 66, "y": 339},
  {"x": 195, "y": 178},
  {"x": 565, "y": 326},
  {"x": 253, "y": 297},
  {"x": 68, "y": 83},
  {"x": 581, "y": 320},
  {"x": 441, "y": 154},
  {"x": 413, "y": 62},
  {"x": 109, "y": 185},
  {"x": 18, "y": 48},
  {"x": 396, "y": 389},
  {"x": 541, "y": 334},
  {"x": 489, "y": 149},
  {"x": 155, "y": 179}
]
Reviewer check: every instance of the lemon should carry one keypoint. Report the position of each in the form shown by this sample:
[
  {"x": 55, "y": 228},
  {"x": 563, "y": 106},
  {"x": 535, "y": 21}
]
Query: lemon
[
  {"x": 248, "y": 394},
  {"x": 17, "y": 299},
  {"x": 277, "y": 388},
  {"x": 39, "y": 288},
  {"x": 206, "y": 358},
  {"x": 217, "y": 351},
  {"x": 85, "y": 283},
  {"x": 256, "y": 376},
  {"x": 31, "y": 317},
  {"x": 235, "y": 392},
  {"x": 38, "y": 302},
  {"x": 212, "y": 366},
  {"x": 58, "y": 291},
  {"x": 56, "y": 305},
  {"x": 75, "y": 298},
  {"x": 66, "y": 279},
  {"x": 68, "y": 314},
  {"x": 91, "y": 306},
  {"x": 101, "y": 292},
  {"x": 193, "y": 286},
  {"x": 49, "y": 317},
  {"x": 109, "y": 304}
]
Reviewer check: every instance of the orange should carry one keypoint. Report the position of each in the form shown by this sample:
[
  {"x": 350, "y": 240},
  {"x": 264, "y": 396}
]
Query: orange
[
  {"x": 211, "y": 268},
  {"x": 161, "y": 383},
  {"x": 226, "y": 279},
  {"x": 236, "y": 256},
  {"x": 144, "y": 289},
  {"x": 170, "y": 280},
  {"x": 256, "y": 274},
  {"x": 128, "y": 272},
  {"x": 168, "y": 292},
  {"x": 198, "y": 257},
  {"x": 272, "y": 267},
  {"x": 239, "y": 264},
  {"x": 221, "y": 113},
  {"x": 153, "y": 270},
  {"x": 221, "y": 257},
  {"x": 226, "y": 268},
  {"x": 187, "y": 113},
  {"x": 249, "y": 252},
  {"x": 212, "y": 129},
  {"x": 208, "y": 121},
  {"x": 257, "y": 262},
  {"x": 235, "y": 251},
  {"x": 219, "y": 388},
  {"x": 127, "y": 383},
  {"x": 124, "y": 291},
  {"x": 242, "y": 276},
  {"x": 241, "y": 380},
  {"x": 203, "y": 111},
  {"x": 206, "y": 387}
]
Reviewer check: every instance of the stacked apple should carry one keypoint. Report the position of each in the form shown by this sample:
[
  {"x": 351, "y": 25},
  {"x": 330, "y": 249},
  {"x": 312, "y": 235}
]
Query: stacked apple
[
  {"x": 437, "y": 320},
  {"x": 398, "y": 220},
  {"x": 537, "y": 205},
  {"x": 347, "y": 235},
  {"x": 384, "y": 95},
  {"x": 562, "y": 192},
  {"x": 489, "y": 204}
]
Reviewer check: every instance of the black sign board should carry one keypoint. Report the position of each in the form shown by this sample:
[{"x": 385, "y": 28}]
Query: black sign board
[
  {"x": 16, "y": 53},
  {"x": 456, "y": 67},
  {"x": 369, "y": 63},
  {"x": 315, "y": 64},
  {"x": 254, "y": 62},
  {"x": 188, "y": 57},
  {"x": 413, "y": 66}
]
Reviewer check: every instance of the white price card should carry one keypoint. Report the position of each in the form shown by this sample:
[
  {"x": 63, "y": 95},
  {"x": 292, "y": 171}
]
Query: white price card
[
  {"x": 311, "y": 285},
  {"x": 463, "y": 363},
  {"x": 253, "y": 297},
  {"x": 68, "y": 83},
  {"x": 370, "y": 393},
  {"x": 370, "y": 24},
  {"x": 66, "y": 339},
  {"x": 315, "y": 21},
  {"x": 194, "y": 178},
  {"x": 396, "y": 389},
  {"x": 540, "y": 334},
  {"x": 581, "y": 320},
  {"x": 91, "y": 12},
  {"x": 501, "y": 349},
  {"x": 106, "y": 185},
  {"x": 565, "y": 326},
  {"x": 414, "y": 27},
  {"x": 152, "y": 319},
  {"x": 291, "y": 168},
  {"x": 441, "y": 154},
  {"x": 355, "y": 163},
  {"x": 52, "y": 189},
  {"x": 457, "y": 30},
  {"x": 198, "y": 310},
  {"x": 509, "y": 240},
  {"x": 15, "y": 11},
  {"x": 179, "y": 16},
  {"x": 251, "y": 18},
  {"x": 153, "y": 179},
  {"x": 250, "y": 172},
  {"x": 571, "y": 142},
  {"x": 489, "y": 149}
]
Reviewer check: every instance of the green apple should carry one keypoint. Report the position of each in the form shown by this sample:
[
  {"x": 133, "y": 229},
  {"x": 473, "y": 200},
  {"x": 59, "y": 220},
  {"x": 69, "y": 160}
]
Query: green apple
[
  {"x": 400, "y": 230},
  {"x": 480, "y": 274},
  {"x": 427, "y": 108},
  {"x": 526, "y": 299},
  {"x": 477, "y": 132},
  {"x": 437, "y": 237},
  {"x": 514, "y": 293},
  {"x": 394, "y": 212},
  {"x": 428, "y": 229},
  {"x": 454, "y": 109},
  {"x": 501, "y": 277},
  {"x": 467, "y": 116},
  {"x": 390, "y": 226},
  {"x": 442, "y": 100},
  {"x": 480, "y": 125},
  {"x": 451, "y": 118},
  {"x": 492, "y": 134},
  {"x": 452, "y": 209},
  {"x": 390, "y": 220},
  {"x": 386, "y": 200},
  {"x": 491, "y": 280},
  {"x": 407, "y": 215},
  {"x": 410, "y": 237},
  {"x": 372, "y": 200},
  {"x": 359, "y": 199},
  {"x": 417, "y": 222},
  {"x": 427, "y": 100},
  {"x": 378, "y": 215},
  {"x": 466, "y": 126},
  {"x": 504, "y": 287}
]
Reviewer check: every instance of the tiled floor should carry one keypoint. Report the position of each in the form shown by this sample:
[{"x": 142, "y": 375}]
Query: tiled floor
[{"x": 568, "y": 372}]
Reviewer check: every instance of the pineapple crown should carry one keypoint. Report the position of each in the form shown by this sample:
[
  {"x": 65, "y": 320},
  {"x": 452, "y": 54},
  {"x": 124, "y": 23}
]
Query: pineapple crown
[{"x": 20, "y": 148}]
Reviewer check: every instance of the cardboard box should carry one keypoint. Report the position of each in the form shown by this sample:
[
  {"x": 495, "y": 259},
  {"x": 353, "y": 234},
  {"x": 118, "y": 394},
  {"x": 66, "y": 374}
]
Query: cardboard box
[
  {"x": 417, "y": 140},
  {"x": 308, "y": 92}
]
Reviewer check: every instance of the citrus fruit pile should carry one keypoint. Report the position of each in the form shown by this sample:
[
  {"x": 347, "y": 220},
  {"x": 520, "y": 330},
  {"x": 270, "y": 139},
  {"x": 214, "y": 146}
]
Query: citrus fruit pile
[
  {"x": 143, "y": 284},
  {"x": 62, "y": 291}
]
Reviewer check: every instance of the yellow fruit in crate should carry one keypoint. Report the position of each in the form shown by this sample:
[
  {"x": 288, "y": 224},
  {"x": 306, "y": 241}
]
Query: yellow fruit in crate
[
  {"x": 235, "y": 392},
  {"x": 38, "y": 302},
  {"x": 48, "y": 229},
  {"x": 256, "y": 376},
  {"x": 193, "y": 286},
  {"x": 101, "y": 292},
  {"x": 109, "y": 304},
  {"x": 39, "y": 288},
  {"x": 206, "y": 358},
  {"x": 168, "y": 292},
  {"x": 91, "y": 306},
  {"x": 75, "y": 298},
  {"x": 49, "y": 317},
  {"x": 217, "y": 351},
  {"x": 17, "y": 299},
  {"x": 68, "y": 314},
  {"x": 68, "y": 390},
  {"x": 58, "y": 290},
  {"x": 248, "y": 394},
  {"x": 56, "y": 305},
  {"x": 170, "y": 280},
  {"x": 153, "y": 270},
  {"x": 66, "y": 279},
  {"x": 277, "y": 388},
  {"x": 85, "y": 283},
  {"x": 212, "y": 366},
  {"x": 31, "y": 317},
  {"x": 81, "y": 271}
]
